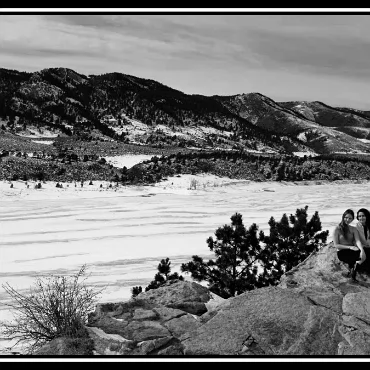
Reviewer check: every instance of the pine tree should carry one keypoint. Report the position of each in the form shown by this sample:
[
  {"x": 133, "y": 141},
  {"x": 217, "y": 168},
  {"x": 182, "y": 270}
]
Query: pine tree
[
  {"x": 235, "y": 268},
  {"x": 291, "y": 241},
  {"x": 136, "y": 290},
  {"x": 280, "y": 171},
  {"x": 161, "y": 277}
]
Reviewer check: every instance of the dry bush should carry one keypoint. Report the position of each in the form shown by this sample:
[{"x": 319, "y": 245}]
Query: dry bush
[
  {"x": 56, "y": 306},
  {"x": 193, "y": 184}
]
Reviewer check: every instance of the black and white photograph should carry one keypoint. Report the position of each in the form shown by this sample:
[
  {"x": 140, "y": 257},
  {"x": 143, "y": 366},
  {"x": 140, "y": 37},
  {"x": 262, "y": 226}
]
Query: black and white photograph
[{"x": 183, "y": 184}]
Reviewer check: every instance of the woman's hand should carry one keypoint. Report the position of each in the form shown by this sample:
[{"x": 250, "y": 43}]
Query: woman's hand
[
  {"x": 362, "y": 256},
  {"x": 354, "y": 248}
]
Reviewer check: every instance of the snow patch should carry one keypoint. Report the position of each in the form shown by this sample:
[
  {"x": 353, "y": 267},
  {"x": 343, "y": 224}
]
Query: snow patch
[
  {"x": 46, "y": 142},
  {"x": 302, "y": 154},
  {"x": 127, "y": 160},
  {"x": 352, "y": 152},
  {"x": 366, "y": 141},
  {"x": 36, "y": 134},
  {"x": 134, "y": 129},
  {"x": 302, "y": 137}
]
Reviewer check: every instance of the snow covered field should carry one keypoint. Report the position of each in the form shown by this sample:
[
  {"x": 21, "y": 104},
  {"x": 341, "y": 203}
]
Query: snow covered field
[
  {"x": 122, "y": 233},
  {"x": 128, "y": 160}
]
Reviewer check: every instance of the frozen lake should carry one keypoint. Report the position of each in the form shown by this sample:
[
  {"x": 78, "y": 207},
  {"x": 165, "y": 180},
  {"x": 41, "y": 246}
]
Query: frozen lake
[{"x": 122, "y": 235}]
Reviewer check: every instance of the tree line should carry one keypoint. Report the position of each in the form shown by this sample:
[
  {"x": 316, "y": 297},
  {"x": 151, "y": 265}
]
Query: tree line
[
  {"x": 256, "y": 167},
  {"x": 232, "y": 164}
]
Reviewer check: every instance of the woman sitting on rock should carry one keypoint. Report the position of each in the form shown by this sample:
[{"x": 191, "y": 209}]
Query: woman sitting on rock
[
  {"x": 363, "y": 227},
  {"x": 346, "y": 239}
]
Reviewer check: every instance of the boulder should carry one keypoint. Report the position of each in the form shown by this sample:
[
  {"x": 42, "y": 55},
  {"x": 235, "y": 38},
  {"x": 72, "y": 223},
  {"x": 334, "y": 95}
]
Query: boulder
[
  {"x": 315, "y": 310},
  {"x": 268, "y": 321},
  {"x": 183, "y": 295},
  {"x": 110, "y": 344},
  {"x": 153, "y": 322},
  {"x": 64, "y": 346}
]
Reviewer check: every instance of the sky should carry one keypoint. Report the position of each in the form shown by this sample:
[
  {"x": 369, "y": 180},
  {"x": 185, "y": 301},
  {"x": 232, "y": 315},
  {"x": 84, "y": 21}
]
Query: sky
[{"x": 284, "y": 56}]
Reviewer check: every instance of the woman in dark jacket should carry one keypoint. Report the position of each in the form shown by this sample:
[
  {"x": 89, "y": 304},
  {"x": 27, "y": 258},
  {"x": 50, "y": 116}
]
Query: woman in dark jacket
[{"x": 363, "y": 227}]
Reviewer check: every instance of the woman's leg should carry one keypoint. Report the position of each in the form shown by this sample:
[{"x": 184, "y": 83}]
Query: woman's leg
[
  {"x": 349, "y": 256},
  {"x": 365, "y": 266}
]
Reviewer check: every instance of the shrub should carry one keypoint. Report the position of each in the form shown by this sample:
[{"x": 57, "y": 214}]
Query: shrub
[
  {"x": 193, "y": 184},
  {"x": 57, "y": 306}
]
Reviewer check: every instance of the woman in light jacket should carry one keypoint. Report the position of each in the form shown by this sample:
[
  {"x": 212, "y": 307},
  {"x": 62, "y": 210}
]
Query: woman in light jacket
[
  {"x": 363, "y": 227},
  {"x": 346, "y": 239}
]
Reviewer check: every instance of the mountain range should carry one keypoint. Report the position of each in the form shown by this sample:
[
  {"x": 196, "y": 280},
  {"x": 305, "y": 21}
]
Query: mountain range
[{"x": 59, "y": 102}]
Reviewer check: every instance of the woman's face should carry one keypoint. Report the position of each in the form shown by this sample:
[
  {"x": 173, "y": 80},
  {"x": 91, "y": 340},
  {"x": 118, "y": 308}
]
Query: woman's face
[
  {"x": 347, "y": 218},
  {"x": 361, "y": 217}
]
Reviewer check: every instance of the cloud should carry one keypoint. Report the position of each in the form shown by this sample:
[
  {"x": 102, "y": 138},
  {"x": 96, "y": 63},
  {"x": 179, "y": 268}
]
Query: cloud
[
  {"x": 165, "y": 40},
  {"x": 312, "y": 53},
  {"x": 283, "y": 53},
  {"x": 311, "y": 43},
  {"x": 25, "y": 50},
  {"x": 322, "y": 44}
]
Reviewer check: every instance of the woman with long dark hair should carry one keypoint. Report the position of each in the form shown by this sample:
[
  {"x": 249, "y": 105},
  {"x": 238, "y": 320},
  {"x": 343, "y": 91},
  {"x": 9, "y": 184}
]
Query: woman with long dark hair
[
  {"x": 346, "y": 239},
  {"x": 363, "y": 227}
]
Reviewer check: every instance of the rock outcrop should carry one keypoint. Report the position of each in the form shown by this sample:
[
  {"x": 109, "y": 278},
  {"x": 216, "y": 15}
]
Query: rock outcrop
[{"x": 314, "y": 310}]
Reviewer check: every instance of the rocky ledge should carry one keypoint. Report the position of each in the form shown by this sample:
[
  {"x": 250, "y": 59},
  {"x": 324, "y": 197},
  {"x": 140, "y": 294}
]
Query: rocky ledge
[{"x": 315, "y": 310}]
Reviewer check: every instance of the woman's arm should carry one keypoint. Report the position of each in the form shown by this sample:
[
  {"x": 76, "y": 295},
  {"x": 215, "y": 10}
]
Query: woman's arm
[
  {"x": 361, "y": 234},
  {"x": 359, "y": 244}
]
